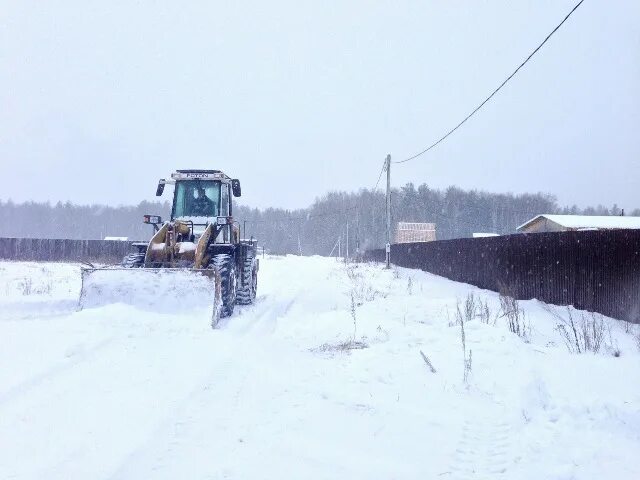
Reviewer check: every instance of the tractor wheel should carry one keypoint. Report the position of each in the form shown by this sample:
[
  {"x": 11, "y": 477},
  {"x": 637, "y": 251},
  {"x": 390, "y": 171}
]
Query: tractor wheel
[
  {"x": 247, "y": 290},
  {"x": 225, "y": 265},
  {"x": 133, "y": 260}
]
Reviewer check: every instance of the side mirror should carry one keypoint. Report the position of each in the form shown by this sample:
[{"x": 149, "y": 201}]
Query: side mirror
[
  {"x": 235, "y": 187},
  {"x": 160, "y": 188},
  {"x": 153, "y": 219}
]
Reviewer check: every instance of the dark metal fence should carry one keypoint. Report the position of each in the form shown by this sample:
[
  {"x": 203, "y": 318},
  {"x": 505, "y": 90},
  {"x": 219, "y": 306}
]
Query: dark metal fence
[
  {"x": 54, "y": 250},
  {"x": 593, "y": 270}
]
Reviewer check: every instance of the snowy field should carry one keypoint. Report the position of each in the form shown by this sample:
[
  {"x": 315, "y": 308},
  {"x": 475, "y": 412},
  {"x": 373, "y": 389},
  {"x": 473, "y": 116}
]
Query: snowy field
[{"x": 281, "y": 390}]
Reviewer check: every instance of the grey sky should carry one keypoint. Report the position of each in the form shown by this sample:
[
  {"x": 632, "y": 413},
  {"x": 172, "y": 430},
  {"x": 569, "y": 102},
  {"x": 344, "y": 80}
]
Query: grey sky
[{"x": 100, "y": 99}]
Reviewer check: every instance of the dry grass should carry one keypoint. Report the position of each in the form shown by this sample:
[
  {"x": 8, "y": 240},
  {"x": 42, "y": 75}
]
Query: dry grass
[
  {"x": 515, "y": 316},
  {"x": 345, "y": 346},
  {"x": 583, "y": 332},
  {"x": 473, "y": 308},
  {"x": 360, "y": 288}
]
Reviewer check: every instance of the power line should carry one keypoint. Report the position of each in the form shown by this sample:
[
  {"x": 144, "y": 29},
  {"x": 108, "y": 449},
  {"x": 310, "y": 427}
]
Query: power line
[
  {"x": 379, "y": 176},
  {"x": 496, "y": 90}
]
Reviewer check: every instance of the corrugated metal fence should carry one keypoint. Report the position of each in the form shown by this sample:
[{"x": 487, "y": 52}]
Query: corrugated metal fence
[
  {"x": 54, "y": 250},
  {"x": 592, "y": 270}
]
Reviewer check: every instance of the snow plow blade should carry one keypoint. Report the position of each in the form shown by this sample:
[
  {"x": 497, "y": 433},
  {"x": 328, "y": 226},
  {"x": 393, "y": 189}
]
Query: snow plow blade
[{"x": 164, "y": 290}]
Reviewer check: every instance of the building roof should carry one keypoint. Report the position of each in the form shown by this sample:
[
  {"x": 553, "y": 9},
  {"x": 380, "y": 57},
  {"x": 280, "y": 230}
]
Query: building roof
[
  {"x": 484, "y": 234},
  {"x": 588, "y": 221}
]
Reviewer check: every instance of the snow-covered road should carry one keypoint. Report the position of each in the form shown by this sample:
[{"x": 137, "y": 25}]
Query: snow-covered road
[{"x": 118, "y": 392}]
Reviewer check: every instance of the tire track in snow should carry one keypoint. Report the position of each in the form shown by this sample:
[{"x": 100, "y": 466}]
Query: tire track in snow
[
  {"x": 52, "y": 372},
  {"x": 261, "y": 317},
  {"x": 483, "y": 451},
  {"x": 212, "y": 410},
  {"x": 217, "y": 389}
]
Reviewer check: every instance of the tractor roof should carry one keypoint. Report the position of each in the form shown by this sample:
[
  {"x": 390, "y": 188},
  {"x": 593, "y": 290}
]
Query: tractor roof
[
  {"x": 193, "y": 174},
  {"x": 192, "y": 170}
]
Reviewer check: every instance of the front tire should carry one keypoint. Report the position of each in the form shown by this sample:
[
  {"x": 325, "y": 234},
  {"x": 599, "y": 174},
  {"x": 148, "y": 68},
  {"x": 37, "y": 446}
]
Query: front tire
[
  {"x": 247, "y": 290},
  {"x": 133, "y": 260},
  {"x": 225, "y": 265}
]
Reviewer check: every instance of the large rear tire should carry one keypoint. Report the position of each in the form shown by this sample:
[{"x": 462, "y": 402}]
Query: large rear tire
[
  {"x": 133, "y": 260},
  {"x": 249, "y": 286},
  {"x": 226, "y": 267}
]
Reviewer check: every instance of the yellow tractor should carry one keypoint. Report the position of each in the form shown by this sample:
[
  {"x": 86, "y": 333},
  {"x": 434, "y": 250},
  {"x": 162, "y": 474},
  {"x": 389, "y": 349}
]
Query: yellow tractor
[{"x": 198, "y": 251}]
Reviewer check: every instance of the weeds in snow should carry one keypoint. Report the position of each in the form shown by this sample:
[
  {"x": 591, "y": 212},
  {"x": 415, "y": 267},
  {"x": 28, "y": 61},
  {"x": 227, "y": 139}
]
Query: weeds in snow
[
  {"x": 466, "y": 360},
  {"x": 345, "y": 346},
  {"x": 26, "y": 286},
  {"x": 515, "y": 316},
  {"x": 485, "y": 315},
  {"x": 474, "y": 308},
  {"x": 360, "y": 289},
  {"x": 428, "y": 362},
  {"x": 588, "y": 332},
  {"x": 353, "y": 316},
  {"x": 464, "y": 314},
  {"x": 467, "y": 311}
]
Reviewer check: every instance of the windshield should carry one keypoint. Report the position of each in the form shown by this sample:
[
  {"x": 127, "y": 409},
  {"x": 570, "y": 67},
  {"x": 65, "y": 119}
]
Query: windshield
[{"x": 196, "y": 198}]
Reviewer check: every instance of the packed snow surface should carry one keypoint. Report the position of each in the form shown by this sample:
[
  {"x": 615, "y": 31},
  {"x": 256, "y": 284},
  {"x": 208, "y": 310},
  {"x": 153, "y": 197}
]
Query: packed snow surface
[{"x": 322, "y": 378}]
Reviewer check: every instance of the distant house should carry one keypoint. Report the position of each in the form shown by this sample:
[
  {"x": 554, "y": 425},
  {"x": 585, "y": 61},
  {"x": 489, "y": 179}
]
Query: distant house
[
  {"x": 563, "y": 223},
  {"x": 415, "y": 232}
]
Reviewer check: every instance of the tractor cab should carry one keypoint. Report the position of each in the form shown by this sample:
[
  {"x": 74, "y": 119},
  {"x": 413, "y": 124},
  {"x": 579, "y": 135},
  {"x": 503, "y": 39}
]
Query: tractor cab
[
  {"x": 201, "y": 194},
  {"x": 201, "y": 198}
]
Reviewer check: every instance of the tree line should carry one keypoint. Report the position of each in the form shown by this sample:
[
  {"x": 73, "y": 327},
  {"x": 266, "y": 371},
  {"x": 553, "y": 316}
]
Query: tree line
[{"x": 316, "y": 230}]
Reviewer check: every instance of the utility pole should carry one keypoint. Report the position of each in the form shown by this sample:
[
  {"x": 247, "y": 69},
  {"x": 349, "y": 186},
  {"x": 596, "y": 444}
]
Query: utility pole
[
  {"x": 357, "y": 235},
  {"x": 347, "y": 241},
  {"x": 388, "y": 245}
]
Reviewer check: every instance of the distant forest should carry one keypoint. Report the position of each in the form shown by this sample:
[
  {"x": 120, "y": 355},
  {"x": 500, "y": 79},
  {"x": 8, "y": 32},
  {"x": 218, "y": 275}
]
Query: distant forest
[{"x": 314, "y": 230}]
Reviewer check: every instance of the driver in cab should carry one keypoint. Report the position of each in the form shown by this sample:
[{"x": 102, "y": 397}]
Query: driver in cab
[{"x": 202, "y": 205}]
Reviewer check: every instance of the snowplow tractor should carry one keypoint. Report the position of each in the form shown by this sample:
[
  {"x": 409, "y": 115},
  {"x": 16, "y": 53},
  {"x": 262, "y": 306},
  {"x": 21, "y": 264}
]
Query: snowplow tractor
[{"x": 195, "y": 259}]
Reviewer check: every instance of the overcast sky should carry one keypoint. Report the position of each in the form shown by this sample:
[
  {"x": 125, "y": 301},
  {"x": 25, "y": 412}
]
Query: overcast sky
[{"x": 100, "y": 99}]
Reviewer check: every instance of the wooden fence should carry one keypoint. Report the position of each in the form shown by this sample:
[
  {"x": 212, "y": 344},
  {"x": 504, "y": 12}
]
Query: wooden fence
[
  {"x": 592, "y": 270},
  {"x": 60, "y": 250}
]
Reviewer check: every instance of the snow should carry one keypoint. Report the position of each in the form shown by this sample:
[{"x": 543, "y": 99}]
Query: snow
[
  {"x": 123, "y": 392},
  {"x": 187, "y": 247},
  {"x": 590, "y": 221},
  {"x": 149, "y": 289}
]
